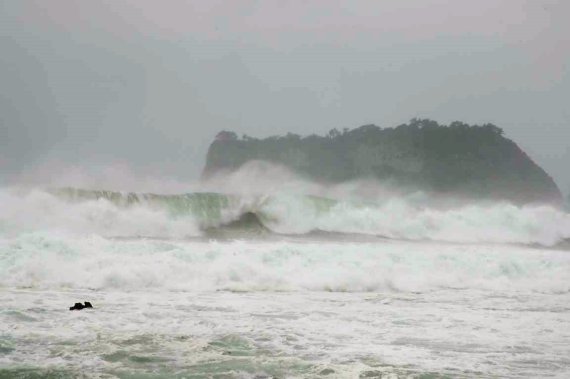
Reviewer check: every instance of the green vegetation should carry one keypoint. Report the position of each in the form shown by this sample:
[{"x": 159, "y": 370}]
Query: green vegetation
[{"x": 476, "y": 161}]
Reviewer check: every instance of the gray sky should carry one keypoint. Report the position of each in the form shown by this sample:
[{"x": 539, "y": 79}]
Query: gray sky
[{"x": 147, "y": 84}]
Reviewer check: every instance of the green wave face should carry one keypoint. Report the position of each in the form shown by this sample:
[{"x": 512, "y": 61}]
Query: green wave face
[
  {"x": 209, "y": 209},
  {"x": 206, "y": 213},
  {"x": 206, "y": 207}
]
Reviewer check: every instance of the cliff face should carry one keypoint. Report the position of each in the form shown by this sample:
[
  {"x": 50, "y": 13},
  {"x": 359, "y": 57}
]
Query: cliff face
[{"x": 474, "y": 161}]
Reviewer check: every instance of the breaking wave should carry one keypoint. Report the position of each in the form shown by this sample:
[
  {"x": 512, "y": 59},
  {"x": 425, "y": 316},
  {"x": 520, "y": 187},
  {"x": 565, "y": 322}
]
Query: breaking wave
[
  {"x": 116, "y": 214},
  {"x": 53, "y": 261},
  {"x": 60, "y": 239}
]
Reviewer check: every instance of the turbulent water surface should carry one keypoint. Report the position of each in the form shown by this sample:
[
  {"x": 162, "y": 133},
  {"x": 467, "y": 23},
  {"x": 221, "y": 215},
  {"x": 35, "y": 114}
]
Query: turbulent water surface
[{"x": 208, "y": 285}]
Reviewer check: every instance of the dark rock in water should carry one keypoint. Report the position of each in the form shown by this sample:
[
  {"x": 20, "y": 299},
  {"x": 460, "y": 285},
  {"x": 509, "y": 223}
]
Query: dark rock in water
[
  {"x": 248, "y": 222},
  {"x": 79, "y": 306}
]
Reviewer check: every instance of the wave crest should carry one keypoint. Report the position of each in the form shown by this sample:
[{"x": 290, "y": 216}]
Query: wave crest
[{"x": 115, "y": 214}]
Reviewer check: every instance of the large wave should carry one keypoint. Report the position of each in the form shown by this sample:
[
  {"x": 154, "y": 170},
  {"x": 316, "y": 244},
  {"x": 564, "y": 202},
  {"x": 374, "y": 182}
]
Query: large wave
[
  {"x": 59, "y": 239},
  {"x": 116, "y": 214}
]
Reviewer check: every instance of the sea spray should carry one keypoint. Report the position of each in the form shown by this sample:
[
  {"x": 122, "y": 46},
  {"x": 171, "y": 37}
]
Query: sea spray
[
  {"x": 115, "y": 214},
  {"x": 43, "y": 211},
  {"x": 398, "y": 219}
]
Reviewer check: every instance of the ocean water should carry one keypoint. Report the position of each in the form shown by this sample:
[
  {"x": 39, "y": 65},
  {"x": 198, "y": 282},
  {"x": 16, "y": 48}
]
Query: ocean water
[{"x": 207, "y": 285}]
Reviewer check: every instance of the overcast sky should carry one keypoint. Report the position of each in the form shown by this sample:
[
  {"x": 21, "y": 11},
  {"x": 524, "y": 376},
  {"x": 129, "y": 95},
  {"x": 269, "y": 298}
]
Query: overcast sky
[{"x": 147, "y": 84}]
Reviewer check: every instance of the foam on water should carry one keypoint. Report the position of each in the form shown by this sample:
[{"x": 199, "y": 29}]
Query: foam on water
[
  {"x": 146, "y": 334},
  {"x": 46, "y": 260}
]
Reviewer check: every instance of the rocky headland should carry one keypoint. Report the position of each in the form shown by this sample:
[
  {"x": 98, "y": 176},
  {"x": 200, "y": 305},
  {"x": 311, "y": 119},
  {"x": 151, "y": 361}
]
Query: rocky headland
[{"x": 475, "y": 161}]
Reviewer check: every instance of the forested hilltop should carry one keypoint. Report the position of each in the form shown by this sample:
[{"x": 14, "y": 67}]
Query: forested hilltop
[{"x": 466, "y": 160}]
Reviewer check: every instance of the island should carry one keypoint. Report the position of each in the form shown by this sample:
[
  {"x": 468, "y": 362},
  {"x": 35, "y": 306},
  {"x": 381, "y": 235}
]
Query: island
[{"x": 474, "y": 161}]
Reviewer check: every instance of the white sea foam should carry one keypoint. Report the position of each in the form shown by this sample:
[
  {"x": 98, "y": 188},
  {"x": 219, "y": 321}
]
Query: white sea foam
[
  {"x": 457, "y": 334},
  {"x": 47, "y": 260}
]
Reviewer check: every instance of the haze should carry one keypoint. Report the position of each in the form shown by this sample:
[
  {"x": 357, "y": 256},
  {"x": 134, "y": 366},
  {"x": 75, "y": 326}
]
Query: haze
[{"x": 146, "y": 85}]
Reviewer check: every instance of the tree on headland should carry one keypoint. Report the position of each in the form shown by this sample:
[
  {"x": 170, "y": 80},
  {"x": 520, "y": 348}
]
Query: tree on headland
[{"x": 333, "y": 133}]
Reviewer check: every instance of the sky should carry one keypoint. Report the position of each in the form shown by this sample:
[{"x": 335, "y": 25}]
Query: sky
[{"x": 145, "y": 85}]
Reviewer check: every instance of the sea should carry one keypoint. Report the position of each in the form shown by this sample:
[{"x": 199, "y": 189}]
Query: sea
[{"x": 287, "y": 284}]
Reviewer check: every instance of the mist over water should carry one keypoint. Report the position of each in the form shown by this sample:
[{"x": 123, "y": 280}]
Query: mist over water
[{"x": 290, "y": 206}]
